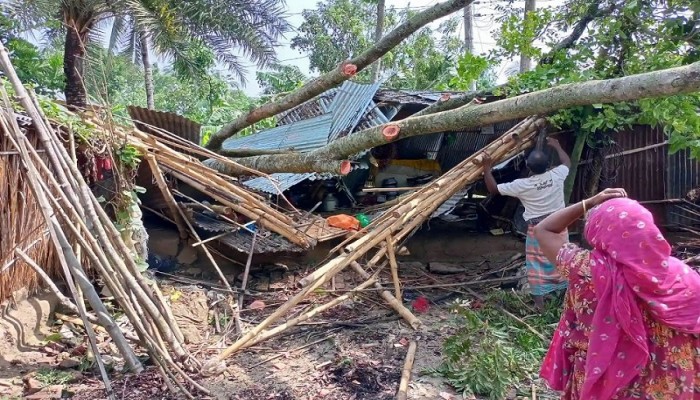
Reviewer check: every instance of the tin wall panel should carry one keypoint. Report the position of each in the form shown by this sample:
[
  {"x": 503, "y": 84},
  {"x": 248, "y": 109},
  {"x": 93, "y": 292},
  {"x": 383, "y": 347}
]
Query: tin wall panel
[
  {"x": 649, "y": 174},
  {"x": 683, "y": 174}
]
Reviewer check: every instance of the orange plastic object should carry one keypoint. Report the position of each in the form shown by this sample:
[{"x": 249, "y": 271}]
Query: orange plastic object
[{"x": 343, "y": 221}]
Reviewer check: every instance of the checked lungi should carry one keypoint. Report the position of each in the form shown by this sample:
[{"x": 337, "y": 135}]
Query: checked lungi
[{"x": 542, "y": 275}]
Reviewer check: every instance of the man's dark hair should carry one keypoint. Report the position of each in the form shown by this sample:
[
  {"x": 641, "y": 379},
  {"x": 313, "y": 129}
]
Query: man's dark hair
[{"x": 538, "y": 161}]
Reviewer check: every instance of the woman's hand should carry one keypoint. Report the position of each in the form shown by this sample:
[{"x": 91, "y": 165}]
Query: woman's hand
[{"x": 604, "y": 196}]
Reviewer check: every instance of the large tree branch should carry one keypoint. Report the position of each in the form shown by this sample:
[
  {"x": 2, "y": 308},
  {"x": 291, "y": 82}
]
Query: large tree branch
[
  {"x": 592, "y": 12},
  {"x": 337, "y": 76},
  {"x": 662, "y": 83}
]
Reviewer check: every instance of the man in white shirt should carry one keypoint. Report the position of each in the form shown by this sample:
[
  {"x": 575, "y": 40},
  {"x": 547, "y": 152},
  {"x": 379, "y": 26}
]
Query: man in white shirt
[{"x": 541, "y": 193}]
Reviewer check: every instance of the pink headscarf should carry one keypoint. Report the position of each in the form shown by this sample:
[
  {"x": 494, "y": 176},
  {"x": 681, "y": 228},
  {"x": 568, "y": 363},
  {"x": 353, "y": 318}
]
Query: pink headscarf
[{"x": 632, "y": 267}]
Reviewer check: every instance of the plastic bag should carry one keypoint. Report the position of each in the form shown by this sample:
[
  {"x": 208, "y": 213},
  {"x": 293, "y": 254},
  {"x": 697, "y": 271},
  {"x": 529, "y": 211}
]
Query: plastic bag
[
  {"x": 343, "y": 221},
  {"x": 364, "y": 220}
]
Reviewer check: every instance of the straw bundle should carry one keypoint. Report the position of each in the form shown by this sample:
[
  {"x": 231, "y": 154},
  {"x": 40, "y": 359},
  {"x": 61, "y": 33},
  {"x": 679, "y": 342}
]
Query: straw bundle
[{"x": 21, "y": 226}]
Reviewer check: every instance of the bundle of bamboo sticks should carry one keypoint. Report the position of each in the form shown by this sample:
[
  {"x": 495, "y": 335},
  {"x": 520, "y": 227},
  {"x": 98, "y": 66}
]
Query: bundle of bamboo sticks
[
  {"x": 166, "y": 150},
  {"x": 382, "y": 236},
  {"x": 74, "y": 216}
]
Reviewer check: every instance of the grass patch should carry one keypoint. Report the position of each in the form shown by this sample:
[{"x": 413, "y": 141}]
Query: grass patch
[
  {"x": 491, "y": 353},
  {"x": 50, "y": 376}
]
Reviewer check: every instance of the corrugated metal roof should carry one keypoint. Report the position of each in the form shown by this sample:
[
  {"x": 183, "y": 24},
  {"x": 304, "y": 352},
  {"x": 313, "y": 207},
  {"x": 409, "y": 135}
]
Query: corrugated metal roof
[
  {"x": 457, "y": 146},
  {"x": 242, "y": 241},
  {"x": 350, "y": 110},
  {"x": 353, "y": 102},
  {"x": 302, "y": 136},
  {"x": 279, "y": 182},
  {"x": 180, "y": 126},
  {"x": 312, "y": 108}
]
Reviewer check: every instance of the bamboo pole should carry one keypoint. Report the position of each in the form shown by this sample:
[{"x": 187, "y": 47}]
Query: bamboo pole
[
  {"x": 311, "y": 313},
  {"x": 71, "y": 266},
  {"x": 391, "y": 300},
  {"x": 403, "y": 218},
  {"x": 406, "y": 372},
  {"x": 65, "y": 301},
  {"x": 394, "y": 267},
  {"x": 169, "y": 199}
]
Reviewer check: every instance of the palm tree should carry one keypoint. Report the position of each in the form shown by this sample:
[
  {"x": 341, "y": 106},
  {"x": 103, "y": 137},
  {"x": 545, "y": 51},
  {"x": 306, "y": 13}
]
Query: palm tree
[{"x": 231, "y": 29}]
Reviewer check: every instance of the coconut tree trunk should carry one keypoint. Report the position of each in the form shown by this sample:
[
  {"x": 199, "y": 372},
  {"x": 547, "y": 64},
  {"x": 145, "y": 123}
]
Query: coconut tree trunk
[
  {"x": 74, "y": 66},
  {"x": 147, "y": 69}
]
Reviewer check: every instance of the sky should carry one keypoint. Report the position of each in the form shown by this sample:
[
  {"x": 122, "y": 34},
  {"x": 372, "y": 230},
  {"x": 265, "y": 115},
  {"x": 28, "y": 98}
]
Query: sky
[{"x": 483, "y": 25}]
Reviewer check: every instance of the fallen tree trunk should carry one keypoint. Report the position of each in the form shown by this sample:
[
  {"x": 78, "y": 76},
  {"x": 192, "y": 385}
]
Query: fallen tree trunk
[
  {"x": 344, "y": 72},
  {"x": 662, "y": 83}
]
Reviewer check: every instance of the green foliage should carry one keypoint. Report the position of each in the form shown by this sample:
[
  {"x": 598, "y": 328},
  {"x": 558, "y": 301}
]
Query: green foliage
[
  {"x": 491, "y": 353},
  {"x": 53, "y": 376},
  {"x": 284, "y": 79},
  {"x": 129, "y": 156},
  {"x": 470, "y": 68},
  {"x": 41, "y": 69},
  {"x": 633, "y": 38}
]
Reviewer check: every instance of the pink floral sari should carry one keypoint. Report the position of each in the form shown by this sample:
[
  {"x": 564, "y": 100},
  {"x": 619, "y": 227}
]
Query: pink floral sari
[{"x": 632, "y": 317}]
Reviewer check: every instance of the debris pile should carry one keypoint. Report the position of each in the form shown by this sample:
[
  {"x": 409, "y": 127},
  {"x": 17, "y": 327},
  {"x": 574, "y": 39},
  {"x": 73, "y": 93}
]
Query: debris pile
[{"x": 381, "y": 237}]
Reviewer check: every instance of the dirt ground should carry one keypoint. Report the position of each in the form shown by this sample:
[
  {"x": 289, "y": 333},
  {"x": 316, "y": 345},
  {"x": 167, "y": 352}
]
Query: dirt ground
[{"x": 353, "y": 351}]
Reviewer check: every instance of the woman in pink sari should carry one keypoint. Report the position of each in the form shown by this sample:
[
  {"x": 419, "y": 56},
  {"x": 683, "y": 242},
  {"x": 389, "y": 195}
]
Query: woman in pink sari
[{"x": 630, "y": 328}]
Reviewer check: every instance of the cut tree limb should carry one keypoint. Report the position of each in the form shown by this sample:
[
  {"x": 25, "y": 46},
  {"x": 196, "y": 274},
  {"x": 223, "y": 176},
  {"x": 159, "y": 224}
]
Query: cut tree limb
[
  {"x": 668, "y": 82},
  {"x": 344, "y": 72}
]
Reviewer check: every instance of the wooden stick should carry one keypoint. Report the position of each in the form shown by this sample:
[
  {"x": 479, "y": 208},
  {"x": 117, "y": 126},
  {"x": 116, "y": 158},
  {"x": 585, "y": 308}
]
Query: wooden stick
[
  {"x": 65, "y": 301},
  {"x": 393, "y": 301},
  {"x": 311, "y": 313},
  {"x": 396, "y": 189},
  {"x": 205, "y": 249},
  {"x": 207, "y": 240},
  {"x": 406, "y": 372},
  {"x": 394, "y": 268},
  {"x": 290, "y": 351},
  {"x": 244, "y": 283},
  {"x": 168, "y": 196}
]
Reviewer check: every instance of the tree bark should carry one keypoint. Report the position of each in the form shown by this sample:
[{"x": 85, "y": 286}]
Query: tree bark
[
  {"x": 579, "y": 144},
  {"x": 662, "y": 83},
  {"x": 74, "y": 67},
  {"x": 525, "y": 61},
  {"x": 378, "y": 32},
  {"x": 147, "y": 69},
  {"x": 344, "y": 72}
]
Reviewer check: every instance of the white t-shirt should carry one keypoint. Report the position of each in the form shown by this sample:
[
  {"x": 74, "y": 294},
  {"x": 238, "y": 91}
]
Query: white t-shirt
[{"x": 540, "y": 194}]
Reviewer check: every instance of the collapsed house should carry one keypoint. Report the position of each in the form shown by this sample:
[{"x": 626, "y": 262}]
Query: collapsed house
[{"x": 379, "y": 175}]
